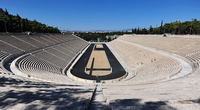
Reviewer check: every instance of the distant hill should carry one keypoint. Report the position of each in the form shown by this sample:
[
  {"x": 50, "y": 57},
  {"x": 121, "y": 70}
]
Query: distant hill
[
  {"x": 177, "y": 27},
  {"x": 15, "y": 23}
]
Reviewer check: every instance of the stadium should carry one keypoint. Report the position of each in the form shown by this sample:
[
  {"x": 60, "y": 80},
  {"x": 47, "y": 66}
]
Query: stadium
[
  {"x": 96, "y": 69},
  {"x": 131, "y": 71}
]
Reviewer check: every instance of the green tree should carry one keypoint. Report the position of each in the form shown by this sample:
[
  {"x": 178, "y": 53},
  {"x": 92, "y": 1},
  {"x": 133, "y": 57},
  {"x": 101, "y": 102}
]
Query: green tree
[{"x": 14, "y": 23}]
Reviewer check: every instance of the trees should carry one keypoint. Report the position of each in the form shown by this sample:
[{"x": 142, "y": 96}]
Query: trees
[
  {"x": 12, "y": 23},
  {"x": 187, "y": 27},
  {"x": 161, "y": 28},
  {"x": 177, "y": 27},
  {"x": 3, "y": 20},
  {"x": 151, "y": 30}
]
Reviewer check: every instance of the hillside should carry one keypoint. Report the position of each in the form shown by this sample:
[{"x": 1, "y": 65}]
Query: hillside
[
  {"x": 177, "y": 27},
  {"x": 187, "y": 27},
  {"x": 15, "y": 23}
]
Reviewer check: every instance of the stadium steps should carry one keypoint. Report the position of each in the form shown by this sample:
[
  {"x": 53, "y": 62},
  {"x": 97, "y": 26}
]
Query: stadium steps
[
  {"x": 49, "y": 53},
  {"x": 146, "y": 64},
  {"x": 3, "y": 55},
  {"x": 98, "y": 101}
]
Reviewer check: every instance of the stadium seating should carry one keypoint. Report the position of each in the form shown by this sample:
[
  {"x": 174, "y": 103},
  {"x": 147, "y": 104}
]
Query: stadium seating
[
  {"x": 6, "y": 47},
  {"x": 42, "y": 59},
  {"x": 183, "y": 46},
  {"x": 146, "y": 65},
  {"x": 50, "y": 58},
  {"x": 147, "y": 59},
  {"x": 47, "y": 54},
  {"x": 17, "y": 43},
  {"x": 3, "y": 55},
  {"x": 148, "y": 83}
]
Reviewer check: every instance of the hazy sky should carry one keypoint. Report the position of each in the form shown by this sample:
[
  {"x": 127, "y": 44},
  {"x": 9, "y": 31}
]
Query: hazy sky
[{"x": 103, "y": 14}]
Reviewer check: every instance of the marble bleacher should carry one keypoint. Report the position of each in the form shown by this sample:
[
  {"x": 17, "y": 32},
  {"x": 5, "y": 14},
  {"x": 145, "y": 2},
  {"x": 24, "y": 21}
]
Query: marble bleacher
[
  {"x": 46, "y": 53},
  {"x": 146, "y": 65},
  {"x": 179, "y": 94}
]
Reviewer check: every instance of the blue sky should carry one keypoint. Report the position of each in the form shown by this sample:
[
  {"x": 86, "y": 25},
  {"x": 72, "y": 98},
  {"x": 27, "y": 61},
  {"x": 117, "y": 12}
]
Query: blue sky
[{"x": 103, "y": 14}]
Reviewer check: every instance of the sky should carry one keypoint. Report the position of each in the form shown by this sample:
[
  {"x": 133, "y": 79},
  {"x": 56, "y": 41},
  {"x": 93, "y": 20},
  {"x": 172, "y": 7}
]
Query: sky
[{"x": 89, "y": 15}]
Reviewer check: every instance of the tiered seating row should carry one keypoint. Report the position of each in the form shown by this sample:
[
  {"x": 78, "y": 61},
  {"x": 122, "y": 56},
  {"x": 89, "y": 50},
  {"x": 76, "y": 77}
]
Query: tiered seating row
[
  {"x": 16, "y": 42},
  {"x": 57, "y": 56},
  {"x": 3, "y": 55},
  {"x": 184, "y": 46},
  {"x": 148, "y": 66},
  {"x": 51, "y": 60},
  {"x": 21, "y": 43},
  {"x": 32, "y": 64},
  {"x": 49, "y": 53},
  {"x": 156, "y": 71},
  {"x": 177, "y": 92},
  {"x": 134, "y": 56},
  {"x": 9, "y": 48},
  {"x": 28, "y": 43}
]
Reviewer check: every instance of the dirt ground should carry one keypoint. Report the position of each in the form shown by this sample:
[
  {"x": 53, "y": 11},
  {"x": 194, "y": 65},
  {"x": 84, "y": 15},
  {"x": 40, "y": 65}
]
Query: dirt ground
[{"x": 98, "y": 64}]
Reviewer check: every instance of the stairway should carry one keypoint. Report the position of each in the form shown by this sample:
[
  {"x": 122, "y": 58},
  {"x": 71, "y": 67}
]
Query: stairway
[{"x": 98, "y": 102}]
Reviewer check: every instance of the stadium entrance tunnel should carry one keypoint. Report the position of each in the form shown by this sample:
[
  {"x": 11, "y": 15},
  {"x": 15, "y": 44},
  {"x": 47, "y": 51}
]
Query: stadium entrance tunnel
[{"x": 98, "y": 64}]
